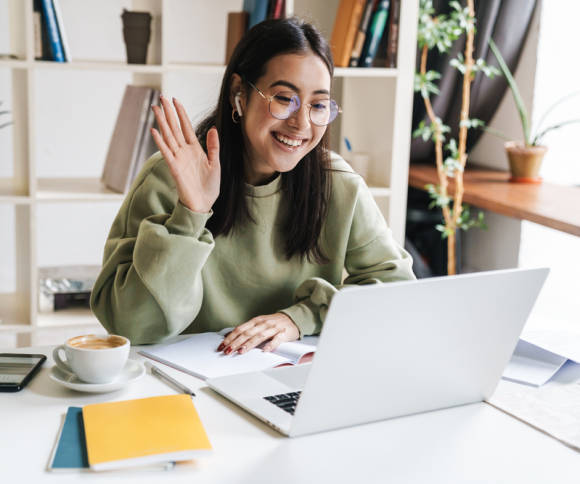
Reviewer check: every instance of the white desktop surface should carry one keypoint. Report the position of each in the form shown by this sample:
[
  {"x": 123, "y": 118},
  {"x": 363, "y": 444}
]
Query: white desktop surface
[{"x": 473, "y": 443}]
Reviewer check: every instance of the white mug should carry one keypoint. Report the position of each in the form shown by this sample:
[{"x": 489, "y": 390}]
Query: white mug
[{"x": 94, "y": 359}]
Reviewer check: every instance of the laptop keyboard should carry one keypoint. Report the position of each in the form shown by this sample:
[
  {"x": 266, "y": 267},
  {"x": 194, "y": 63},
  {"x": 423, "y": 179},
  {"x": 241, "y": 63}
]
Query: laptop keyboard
[{"x": 286, "y": 401}]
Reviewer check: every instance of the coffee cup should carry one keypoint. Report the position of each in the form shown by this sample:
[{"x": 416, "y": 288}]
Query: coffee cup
[{"x": 93, "y": 358}]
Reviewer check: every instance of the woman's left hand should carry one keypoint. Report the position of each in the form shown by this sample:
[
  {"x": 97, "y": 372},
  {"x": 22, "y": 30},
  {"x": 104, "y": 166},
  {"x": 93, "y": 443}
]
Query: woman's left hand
[{"x": 275, "y": 328}]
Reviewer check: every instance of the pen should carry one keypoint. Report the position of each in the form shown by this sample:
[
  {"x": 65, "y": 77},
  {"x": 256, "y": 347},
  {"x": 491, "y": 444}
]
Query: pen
[{"x": 168, "y": 379}]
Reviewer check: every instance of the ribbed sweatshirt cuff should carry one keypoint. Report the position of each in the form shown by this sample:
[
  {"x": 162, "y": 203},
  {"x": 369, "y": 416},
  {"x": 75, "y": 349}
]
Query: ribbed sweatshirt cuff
[
  {"x": 187, "y": 222},
  {"x": 304, "y": 317}
]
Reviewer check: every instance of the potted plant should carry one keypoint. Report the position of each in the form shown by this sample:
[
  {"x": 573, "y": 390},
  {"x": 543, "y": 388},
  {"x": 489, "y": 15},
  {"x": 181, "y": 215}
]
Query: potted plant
[
  {"x": 440, "y": 32},
  {"x": 525, "y": 157}
]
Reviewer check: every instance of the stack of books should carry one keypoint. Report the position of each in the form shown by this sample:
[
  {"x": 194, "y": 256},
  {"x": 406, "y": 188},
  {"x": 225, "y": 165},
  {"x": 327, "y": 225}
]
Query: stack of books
[
  {"x": 131, "y": 143},
  {"x": 153, "y": 432},
  {"x": 253, "y": 12},
  {"x": 50, "y": 41},
  {"x": 365, "y": 33}
]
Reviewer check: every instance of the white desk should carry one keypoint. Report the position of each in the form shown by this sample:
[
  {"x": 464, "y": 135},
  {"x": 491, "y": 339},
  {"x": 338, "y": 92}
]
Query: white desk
[{"x": 473, "y": 443}]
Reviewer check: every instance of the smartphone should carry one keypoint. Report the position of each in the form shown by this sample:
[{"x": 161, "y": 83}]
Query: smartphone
[{"x": 17, "y": 369}]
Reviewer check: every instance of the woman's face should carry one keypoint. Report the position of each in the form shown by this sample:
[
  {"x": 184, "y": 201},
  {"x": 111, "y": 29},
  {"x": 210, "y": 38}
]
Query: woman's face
[{"x": 273, "y": 145}]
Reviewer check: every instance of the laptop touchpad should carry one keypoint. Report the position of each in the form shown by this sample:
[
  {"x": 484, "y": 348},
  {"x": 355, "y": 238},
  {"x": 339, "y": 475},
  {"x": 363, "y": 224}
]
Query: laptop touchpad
[{"x": 293, "y": 376}]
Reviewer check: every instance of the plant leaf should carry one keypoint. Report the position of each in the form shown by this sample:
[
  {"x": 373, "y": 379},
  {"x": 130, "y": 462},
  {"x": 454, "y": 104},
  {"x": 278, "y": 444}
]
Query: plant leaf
[{"x": 515, "y": 91}]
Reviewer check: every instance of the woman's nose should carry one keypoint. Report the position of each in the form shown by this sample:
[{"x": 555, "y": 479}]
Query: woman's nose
[{"x": 300, "y": 118}]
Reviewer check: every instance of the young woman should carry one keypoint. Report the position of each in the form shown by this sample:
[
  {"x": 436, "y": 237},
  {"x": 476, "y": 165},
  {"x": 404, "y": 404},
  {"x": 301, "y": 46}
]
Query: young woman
[{"x": 250, "y": 220}]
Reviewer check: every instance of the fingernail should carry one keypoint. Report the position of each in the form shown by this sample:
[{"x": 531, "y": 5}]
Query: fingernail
[
  {"x": 220, "y": 347},
  {"x": 241, "y": 350},
  {"x": 228, "y": 350}
]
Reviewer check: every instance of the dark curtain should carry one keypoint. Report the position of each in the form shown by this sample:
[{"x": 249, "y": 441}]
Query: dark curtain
[{"x": 507, "y": 22}]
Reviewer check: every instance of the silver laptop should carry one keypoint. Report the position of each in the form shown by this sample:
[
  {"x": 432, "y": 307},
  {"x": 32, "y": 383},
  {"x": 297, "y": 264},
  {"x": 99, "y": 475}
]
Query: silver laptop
[{"x": 395, "y": 349}]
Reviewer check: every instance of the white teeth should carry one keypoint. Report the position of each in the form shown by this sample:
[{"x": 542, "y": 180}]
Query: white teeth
[{"x": 288, "y": 141}]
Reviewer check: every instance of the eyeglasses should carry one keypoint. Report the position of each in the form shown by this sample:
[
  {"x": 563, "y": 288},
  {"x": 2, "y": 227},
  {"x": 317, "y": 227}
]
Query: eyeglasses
[{"x": 284, "y": 103}]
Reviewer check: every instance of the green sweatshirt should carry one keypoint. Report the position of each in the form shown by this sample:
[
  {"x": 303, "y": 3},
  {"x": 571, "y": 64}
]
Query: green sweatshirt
[{"x": 164, "y": 273}]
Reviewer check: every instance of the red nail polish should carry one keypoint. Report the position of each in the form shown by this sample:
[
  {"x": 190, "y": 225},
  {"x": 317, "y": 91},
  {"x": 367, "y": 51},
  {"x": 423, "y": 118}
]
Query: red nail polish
[
  {"x": 220, "y": 347},
  {"x": 228, "y": 350}
]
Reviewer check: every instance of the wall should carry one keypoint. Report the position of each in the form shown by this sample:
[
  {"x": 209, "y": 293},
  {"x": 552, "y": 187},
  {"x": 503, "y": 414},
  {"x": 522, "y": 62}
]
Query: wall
[{"x": 547, "y": 71}]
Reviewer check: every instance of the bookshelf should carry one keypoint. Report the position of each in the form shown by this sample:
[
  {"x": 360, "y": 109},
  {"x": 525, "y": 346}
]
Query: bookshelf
[{"x": 52, "y": 204}]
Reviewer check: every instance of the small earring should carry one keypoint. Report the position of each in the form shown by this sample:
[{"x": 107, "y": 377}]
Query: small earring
[{"x": 235, "y": 116}]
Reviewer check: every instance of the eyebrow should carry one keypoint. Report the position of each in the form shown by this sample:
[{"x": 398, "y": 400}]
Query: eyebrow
[{"x": 294, "y": 88}]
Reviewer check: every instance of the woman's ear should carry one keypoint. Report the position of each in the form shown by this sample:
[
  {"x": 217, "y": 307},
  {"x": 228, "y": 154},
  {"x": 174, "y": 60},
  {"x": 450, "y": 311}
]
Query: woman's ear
[{"x": 237, "y": 94}]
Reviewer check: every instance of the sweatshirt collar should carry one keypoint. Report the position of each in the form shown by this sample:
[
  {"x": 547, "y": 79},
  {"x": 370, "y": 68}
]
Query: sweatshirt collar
[{"x": 264, "y": 190}]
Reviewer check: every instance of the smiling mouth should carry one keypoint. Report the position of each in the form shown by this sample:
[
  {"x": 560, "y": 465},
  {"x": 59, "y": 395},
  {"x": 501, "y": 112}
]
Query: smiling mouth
[{"x": 286, "y": 141}]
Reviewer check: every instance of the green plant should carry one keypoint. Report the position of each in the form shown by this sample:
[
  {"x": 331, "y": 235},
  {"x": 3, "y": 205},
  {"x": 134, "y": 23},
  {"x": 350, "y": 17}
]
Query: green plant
[
  {"x": 530, "y": 139},
  {"x": 3, "y": 125},
  {"x": 441, "y": 32}
]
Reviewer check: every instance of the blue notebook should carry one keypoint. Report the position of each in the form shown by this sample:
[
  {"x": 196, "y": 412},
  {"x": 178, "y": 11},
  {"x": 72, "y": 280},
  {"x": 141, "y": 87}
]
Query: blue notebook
[{"x": 71, "y": 449}]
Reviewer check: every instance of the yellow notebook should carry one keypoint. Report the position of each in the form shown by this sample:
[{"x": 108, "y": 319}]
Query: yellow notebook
[{"x": 143, "y": 431}]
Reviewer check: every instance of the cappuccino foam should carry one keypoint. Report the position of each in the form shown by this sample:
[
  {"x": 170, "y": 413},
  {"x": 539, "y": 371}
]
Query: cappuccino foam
[{"x": 91, "y": 342}]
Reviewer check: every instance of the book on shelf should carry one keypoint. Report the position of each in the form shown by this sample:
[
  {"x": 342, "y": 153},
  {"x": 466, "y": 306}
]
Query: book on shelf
[
  {"x": 131, "y": 142},
  {"x": 361, "y": 33},
  {"x": 61, "y": 30},
  {"x": 144, "y": 431},
  {"x": 346, "y": 24},
  {"x": 237, "y": 26},
  {"x": 41, "y": 44},
  {"x": 393, "y": 33},
  {"x": 257, "y": 11},
  {"x": 374, "y": 34},
  {"x": 197, "y": 355},
  {"x": 51, "y": 23},
  {"x": 276, "y": 9}
]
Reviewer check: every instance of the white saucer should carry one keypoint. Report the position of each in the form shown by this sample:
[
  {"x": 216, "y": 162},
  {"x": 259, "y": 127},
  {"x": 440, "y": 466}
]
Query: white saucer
[{"x": 132, "y": 371}]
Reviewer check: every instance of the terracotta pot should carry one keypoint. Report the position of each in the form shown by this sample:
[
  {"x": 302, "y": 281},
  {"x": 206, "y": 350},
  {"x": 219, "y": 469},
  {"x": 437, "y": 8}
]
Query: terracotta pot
[{"x": 525, "y": 162}]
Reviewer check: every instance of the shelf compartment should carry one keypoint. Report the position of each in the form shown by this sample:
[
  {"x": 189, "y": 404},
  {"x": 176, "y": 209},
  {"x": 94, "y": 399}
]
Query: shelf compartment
[
  {"x": 13, "y": 63},
  {"x": 15, "y": 328},
  {"x": 99, "y": 66},
  {"x": 67, "y": 318},
  {"x": 75, "y": 190},
  {"x": 365, "y": 72},
  {"x": 380, "y": 192},
  {"x": 15, "y": 267}
]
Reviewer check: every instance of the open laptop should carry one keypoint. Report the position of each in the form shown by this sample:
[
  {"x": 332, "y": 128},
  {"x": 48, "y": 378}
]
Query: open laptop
[{"x": 395, "y": 349}]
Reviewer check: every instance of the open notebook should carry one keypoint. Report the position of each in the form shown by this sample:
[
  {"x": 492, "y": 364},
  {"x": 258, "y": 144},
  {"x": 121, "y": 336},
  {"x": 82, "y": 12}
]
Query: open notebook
[{"x": 198, "y": 355}]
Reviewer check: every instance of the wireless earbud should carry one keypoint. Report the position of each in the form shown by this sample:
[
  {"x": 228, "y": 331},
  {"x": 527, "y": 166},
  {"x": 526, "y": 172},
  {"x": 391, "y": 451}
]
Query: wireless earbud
[{"x": 238, "y": 103}]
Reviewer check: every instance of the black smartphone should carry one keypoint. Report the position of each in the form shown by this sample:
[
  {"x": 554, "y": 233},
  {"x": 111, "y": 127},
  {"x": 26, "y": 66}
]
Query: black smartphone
[{"x": 17, "y": 369}]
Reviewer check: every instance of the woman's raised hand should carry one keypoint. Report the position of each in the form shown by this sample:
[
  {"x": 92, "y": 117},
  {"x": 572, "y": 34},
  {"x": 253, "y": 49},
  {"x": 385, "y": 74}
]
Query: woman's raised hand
[{"x": 196, "y": 174}]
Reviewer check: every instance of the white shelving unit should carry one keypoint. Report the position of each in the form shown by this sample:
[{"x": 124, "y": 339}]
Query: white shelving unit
[{"x": 52, "y": 205}]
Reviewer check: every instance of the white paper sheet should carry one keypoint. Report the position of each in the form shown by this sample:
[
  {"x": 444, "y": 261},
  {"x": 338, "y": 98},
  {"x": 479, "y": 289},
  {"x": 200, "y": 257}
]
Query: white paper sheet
[
  {"x": 198, "y": 356},
  {"x": 532, "y": 365}
]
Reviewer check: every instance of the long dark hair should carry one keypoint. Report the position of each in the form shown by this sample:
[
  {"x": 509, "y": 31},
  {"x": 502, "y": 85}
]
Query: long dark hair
[{"x": 306, "y": 188}]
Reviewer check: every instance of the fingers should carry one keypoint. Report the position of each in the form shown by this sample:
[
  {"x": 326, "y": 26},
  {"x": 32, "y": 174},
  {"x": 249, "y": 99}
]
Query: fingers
[
  {"x": 213, "y": 145},
  {"x": 165, "y": 150},
  {"x": 276, "y": 341},
  {"x": 186, "y": 128},
  {"x": 241, "y": 329},
  {"x": 274, "y": 329},
  {"x": 247, "y": 342},
  {"x": 165, "y": 130},
  {"x": 172, "y": 121}
]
